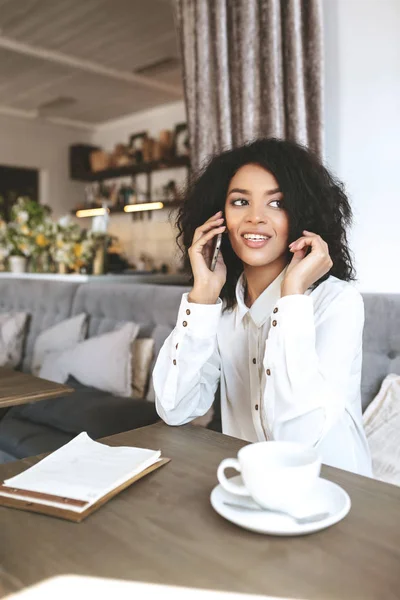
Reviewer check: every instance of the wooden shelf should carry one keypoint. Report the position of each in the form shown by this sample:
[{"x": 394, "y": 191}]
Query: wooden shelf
[{"x": 127, "y": 170}]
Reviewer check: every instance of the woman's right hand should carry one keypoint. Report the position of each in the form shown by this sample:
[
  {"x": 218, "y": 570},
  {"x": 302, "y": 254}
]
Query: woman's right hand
[{"x": 207, "y": 284}]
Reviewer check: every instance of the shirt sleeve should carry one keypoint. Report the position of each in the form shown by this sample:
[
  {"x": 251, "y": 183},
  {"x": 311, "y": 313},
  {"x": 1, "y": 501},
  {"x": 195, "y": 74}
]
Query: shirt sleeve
[
  {"x": 311, "y": 367},
  {"x": 187, "y": 371}
]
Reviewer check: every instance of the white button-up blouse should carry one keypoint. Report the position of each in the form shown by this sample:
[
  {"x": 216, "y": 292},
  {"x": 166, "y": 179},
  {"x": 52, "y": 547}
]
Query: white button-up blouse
[{"x": 289, "y": 369}]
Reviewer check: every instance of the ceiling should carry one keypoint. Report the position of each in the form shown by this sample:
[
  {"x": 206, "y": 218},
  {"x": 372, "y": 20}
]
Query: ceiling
[{"x": 86, "y": 62}]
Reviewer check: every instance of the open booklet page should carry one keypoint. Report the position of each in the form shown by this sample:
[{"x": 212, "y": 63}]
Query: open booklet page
[{"x": 82, "y": 470}]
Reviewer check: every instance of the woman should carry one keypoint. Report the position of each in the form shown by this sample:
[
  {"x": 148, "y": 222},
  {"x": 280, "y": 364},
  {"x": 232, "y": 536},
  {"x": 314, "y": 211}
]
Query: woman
[{"x": 277, "y": 322}]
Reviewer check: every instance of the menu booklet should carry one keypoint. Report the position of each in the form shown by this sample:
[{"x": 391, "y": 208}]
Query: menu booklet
[{"x": 78, "y": 478}]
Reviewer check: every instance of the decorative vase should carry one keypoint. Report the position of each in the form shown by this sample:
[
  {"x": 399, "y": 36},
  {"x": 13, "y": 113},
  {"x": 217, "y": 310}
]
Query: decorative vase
[
  {"x": 62, "y": 268},
  {"x": 98, "y": 261},
  {"x": 34, "y": 264},
  {"x": 45, "y": 262},
  {"x": 17, "y": 264}
]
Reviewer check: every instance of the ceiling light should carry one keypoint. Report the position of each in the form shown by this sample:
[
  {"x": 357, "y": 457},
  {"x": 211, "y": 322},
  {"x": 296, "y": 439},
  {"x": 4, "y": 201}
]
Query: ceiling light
[
  {"x": 91, "y": 212},
  {"x": 145, "y": 206}
]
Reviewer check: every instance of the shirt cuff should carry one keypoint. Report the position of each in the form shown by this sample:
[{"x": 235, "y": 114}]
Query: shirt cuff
[{"x": 199, "y": 320}]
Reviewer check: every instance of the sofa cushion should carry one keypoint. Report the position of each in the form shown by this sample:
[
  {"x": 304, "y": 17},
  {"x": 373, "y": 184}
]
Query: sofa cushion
[
  {"x": 12, "y": 335},
  {"x": 160, "y": 334},
  {"x": 59, "y": 337},
  {"x": 382, "y": 427},
  {"x": 103, "y": 362},
  {"x": 87, "y": 409},
  {"x": 142, "y": 358},
  {"x": 19, "y": 438},
  {"x": 154, "y": 307}
]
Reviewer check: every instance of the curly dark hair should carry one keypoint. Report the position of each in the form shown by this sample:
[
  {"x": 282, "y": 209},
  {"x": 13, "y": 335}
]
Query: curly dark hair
[{"x": 313, "y": 198}]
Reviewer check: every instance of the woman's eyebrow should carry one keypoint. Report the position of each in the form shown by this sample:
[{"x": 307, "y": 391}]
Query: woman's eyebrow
[
  {"x": 248, "y": 193},
  {"x": 239, "y": 191},
  {"x": 274, "y": 191}
]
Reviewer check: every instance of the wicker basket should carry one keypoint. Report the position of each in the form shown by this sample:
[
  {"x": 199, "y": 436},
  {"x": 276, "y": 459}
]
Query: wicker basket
[{"x": 99, "y": 160}]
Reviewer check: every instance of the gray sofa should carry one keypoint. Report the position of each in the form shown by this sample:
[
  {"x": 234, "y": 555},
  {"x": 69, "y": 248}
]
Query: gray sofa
[{"x": 46, "y": 425}]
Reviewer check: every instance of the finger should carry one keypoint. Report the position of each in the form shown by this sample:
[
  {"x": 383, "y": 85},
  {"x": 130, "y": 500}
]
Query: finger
[
  {"x": 206, "y": 237},
  {"x": 298, "y": 255},
  {"x": 207, "y": 226},
  {"x": 300, "y": 243},
  {"x": 317, "y": 236},
  {"x": 310, "y": 240},
  {"x": 318, "y": 246}
]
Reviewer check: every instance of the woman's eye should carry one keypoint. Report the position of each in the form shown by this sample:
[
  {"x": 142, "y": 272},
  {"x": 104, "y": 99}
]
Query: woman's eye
[
  {"x": 276, "y": 203},
  {"x": 239, "y": 202}
]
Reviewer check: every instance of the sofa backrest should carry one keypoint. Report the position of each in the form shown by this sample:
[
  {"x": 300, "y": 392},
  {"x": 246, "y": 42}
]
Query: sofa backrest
[
  {"x": 155, "y": 308},
  {"x": 109, "y": 304},
  {"x": 47, "y": 302},
  {"x": 381, "y": 344}
]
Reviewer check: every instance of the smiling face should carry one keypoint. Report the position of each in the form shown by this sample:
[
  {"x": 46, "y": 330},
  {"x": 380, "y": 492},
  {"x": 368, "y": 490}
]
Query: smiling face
[{"x": 257, "y": 224}]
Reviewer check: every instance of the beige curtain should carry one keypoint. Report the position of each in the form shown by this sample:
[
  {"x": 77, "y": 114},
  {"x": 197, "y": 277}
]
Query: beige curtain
[{"x": 251, "y": 68}]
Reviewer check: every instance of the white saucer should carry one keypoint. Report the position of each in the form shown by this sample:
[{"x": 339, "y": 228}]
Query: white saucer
[{"x": 325, "y": 497}]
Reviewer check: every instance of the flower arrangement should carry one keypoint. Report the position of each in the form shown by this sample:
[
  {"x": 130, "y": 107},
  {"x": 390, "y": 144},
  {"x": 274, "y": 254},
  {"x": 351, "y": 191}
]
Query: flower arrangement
[
  {"x": 73, "y": 247},
  {"x": 67, "y": 236},
  {"x": 20, "y": 231},
  {"x": 33, "y": 234}
]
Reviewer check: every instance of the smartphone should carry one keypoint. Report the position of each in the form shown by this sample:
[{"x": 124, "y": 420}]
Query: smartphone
[{"x": 216, "y": 251}]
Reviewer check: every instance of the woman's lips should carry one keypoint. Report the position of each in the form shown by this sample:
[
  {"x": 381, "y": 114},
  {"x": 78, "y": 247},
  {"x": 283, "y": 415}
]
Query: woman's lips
[{"x": 255, "y": 244}]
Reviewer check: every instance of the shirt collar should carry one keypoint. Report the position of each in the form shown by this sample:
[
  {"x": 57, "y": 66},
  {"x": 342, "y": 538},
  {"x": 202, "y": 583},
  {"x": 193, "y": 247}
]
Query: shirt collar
[{"x": 261, "y": 309}]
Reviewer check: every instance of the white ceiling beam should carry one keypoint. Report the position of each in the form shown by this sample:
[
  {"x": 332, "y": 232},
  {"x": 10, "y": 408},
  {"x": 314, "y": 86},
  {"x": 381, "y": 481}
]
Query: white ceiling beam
[
  {"x": 86, "y": 65},
  {"x": 34, "y": 114}
]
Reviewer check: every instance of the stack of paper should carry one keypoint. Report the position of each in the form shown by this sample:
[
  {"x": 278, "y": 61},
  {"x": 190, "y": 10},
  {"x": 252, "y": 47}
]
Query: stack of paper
[{"x": 79, "y": 474}]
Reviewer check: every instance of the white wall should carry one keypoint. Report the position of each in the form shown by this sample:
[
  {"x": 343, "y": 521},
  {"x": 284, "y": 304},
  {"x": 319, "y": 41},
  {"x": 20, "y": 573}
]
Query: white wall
[
  {"x": 40, "y": 145},
  {"x": 157, "y": 235},
  {"x": 363, "y": 129}
]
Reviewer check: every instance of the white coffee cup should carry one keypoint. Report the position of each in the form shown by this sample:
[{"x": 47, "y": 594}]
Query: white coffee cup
[{"x": 277, "y": 475}]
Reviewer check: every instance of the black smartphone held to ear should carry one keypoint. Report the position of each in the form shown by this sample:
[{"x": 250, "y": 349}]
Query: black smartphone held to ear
[{"x": 216, "y": 251}]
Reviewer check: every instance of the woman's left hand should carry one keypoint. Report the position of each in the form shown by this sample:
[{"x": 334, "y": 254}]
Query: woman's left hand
[{"x": 304, "y": 270}]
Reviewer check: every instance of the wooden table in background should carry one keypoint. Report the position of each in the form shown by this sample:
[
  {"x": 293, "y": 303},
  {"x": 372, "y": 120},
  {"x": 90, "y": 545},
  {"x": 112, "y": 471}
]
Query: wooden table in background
[
  {"x": 163, "y": 530},
  {"x": 21, "y": 388}
]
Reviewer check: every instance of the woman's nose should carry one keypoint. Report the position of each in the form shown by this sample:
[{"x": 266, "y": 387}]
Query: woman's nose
[{"x": 256, "y": 215}]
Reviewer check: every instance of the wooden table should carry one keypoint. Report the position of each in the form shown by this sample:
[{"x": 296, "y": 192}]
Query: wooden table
[
  {"x": 163, "y": 530},
  {"x": 21, "y": 388}
]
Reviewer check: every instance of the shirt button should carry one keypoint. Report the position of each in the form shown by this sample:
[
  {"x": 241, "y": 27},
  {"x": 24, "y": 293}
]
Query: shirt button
[
  {"x": 254, "y": 361},
  {"x": 174, "y": 361},
  {"x": 275, "y": 310},
  {"x": 184, "y": 323},
  {"x": 187, "y": 311},
  {"x": 256, "y": 407},
  {"x": 274, "y": 323},
  {"x": 268, "y": 372}
]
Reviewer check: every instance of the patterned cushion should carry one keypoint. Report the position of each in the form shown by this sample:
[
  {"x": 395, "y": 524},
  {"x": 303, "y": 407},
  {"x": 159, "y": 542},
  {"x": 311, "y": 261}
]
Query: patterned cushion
[
  {"x": 382, "y": 426},
  {"x": 12, "y": 335}
]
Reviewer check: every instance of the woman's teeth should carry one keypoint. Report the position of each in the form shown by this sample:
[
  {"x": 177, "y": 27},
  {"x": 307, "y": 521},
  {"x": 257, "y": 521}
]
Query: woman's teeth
[{"x": 255, "y": 237}]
